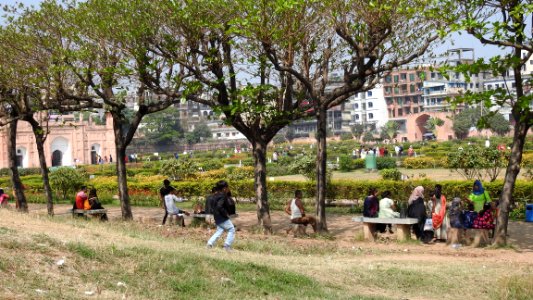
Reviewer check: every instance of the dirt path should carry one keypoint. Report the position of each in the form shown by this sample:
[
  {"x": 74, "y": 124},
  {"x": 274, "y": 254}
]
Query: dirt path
[{"x": 344, "y": 231}]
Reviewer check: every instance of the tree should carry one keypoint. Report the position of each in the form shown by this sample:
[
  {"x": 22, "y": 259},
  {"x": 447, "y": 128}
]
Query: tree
[
  {"x": 432, "y": 124},
  {"x": 220, "y": 45},
  {"x": 104, "y": 43},
  {"x": 468, "y": 162},
  {"x": 464, "y": 121},
  {"x": 38, "y": 78},
  {"x": 67, "y": 179},
  {"x": 363, "y": 40},
  {"x": 501, "y": 23},
  {"x": 498, "y": 124},
  {"x": 162, "y": 128},
  {"x": 357, "y": 130},
  {"x": 390, "y": 129}
]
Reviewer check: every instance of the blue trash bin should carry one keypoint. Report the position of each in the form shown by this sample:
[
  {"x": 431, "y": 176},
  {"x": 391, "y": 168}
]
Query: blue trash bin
[{"x": 529, "y": 212}]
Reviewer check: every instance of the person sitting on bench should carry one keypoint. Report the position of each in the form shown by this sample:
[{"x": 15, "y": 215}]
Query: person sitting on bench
[
  {"x": 170, "y": 200},
  {"x": 296, "y": 210},
  {"x": 94, "y": 203}
]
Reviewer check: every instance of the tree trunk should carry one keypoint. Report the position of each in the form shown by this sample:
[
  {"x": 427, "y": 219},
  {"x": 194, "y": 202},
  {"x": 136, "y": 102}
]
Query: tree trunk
[
  {"x": 513, "y": 168},
  {"x": 39, "y": 140},
  {"x": 18, "y": 188},
  {"x": 321, "y": 180},
  {"x": 122, "y": 180},
  {"x": 263, "y": 210}
]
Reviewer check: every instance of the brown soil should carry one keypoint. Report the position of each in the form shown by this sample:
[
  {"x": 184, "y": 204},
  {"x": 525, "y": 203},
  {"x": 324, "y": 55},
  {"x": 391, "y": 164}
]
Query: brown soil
[{"x": 344, "y": 232}]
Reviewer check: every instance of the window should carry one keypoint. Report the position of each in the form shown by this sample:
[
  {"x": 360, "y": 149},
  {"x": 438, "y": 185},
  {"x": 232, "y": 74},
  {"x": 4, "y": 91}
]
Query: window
[
  {"x": 489, "y": 86},
  {"x": 403, "y": 76},
  {"x": 357, "y": 117},
  {"x": 396, "y": 78},
  {"x": 396, "y": 90},
  {"x": 400, "y": 112},
  {"x": 356, "y": 106},
  {"x": 433, "y": 75},
  {"x": 389, "y": 101},
  {"x": 370, "y": 105},
  {"x": 412, "y": 77},
  {"x": 370, "y": 116},
  {"x": 388, "y": 90},
  {"x": 388, "y": 79},
  {"x": 456, "y": 75},
  {"x": 399, "y": 101},
  {"x": 531, "y": 62},
  {"x": 369, "y": 93},
  {"x": 415, "y": 110},
  {"x": 407, "y": 110},
  {"x": 412, "y": 88}
]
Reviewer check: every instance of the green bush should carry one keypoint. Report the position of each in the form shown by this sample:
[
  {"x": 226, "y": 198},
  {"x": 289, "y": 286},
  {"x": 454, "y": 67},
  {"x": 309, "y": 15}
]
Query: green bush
[
  {"x": 346, "y": 163},
  {"x": 278, "y": 169},
  {"x": 391, "y": 174},
  {"x": 422, "y": 162},
  {"x": 211, "y": 164},
  {"x": 239, "y": 173},
  {"x": 67, "y": 179},
  {"x": 386, "y": 163}
]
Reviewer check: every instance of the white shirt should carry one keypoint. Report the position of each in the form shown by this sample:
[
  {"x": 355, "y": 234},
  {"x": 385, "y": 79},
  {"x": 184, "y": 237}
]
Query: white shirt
[
  {"x": 170, "y": 199},
  {"x": 295, "y": 210},
  {"x": 385, "y": 209}
]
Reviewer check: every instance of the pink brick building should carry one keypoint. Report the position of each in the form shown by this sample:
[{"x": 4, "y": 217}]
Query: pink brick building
[{"x": 70, "y": 141}]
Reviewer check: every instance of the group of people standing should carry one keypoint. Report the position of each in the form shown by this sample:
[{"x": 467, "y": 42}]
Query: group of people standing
[{"x": 436, "y": 216}]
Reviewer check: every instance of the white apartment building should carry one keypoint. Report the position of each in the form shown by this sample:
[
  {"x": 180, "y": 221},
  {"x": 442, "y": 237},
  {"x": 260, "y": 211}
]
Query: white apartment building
[{"x": 368, "y": 108}]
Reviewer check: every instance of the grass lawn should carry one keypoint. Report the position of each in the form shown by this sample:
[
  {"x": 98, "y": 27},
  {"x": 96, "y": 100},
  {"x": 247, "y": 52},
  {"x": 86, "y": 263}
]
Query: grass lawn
[{"x": 129, "y": 260}]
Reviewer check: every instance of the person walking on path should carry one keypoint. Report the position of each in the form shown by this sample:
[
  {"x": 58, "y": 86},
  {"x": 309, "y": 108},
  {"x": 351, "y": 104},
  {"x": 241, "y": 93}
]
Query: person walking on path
[{"x": 220, "y": 208}]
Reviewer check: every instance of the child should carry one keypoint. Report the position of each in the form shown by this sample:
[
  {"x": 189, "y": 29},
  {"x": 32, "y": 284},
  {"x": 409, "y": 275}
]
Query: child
[{"x": 469, "y": 216}]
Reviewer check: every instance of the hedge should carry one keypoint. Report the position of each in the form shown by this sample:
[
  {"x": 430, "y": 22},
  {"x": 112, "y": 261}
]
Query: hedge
[{"x": 144, "y": 190}]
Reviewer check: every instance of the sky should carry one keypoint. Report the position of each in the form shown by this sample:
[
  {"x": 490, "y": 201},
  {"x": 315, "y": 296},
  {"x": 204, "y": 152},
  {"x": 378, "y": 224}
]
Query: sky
[{"x": 459, "y": 41}]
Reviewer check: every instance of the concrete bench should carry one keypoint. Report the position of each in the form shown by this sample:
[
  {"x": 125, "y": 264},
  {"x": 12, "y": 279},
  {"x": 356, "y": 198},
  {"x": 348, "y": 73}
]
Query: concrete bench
[
  {"x": 469, "y": 236},
  {"x": 90, "y": 212},
  {"x": 403, "y": 226}
]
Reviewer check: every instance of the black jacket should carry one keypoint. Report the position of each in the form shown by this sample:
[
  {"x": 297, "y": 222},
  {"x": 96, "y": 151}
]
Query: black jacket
[{"x": 219, "y": 207}]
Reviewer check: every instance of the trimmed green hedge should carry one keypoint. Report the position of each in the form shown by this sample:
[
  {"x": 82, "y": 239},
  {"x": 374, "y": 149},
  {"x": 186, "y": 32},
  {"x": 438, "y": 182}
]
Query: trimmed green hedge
[{"x": 341, "y": 189}]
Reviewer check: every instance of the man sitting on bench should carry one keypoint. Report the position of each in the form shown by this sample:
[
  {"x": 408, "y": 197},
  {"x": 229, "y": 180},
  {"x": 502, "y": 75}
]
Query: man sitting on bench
[
  {"x": 295, "y": 209},
  {"x": 172, "y": 210}
]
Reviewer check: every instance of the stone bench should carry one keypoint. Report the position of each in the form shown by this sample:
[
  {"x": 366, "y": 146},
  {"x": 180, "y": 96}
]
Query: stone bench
[
  {"x": 469, "y": 236},
  {"x": 403, "y": 226},
  {"x": 89, "y": 212}
]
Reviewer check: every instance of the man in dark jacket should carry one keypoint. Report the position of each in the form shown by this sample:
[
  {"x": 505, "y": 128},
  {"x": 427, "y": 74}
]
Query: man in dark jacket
[
  {"x": 163, "y": 191},
  {"x": 219, "y": 207}
]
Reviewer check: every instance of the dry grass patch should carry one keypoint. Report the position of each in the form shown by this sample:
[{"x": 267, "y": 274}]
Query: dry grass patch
[{"x": 140, "y": 261}]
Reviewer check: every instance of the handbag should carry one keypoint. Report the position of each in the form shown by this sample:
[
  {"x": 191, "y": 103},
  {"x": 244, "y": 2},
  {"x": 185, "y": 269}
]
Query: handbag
[{"x": 428, "y": 225}]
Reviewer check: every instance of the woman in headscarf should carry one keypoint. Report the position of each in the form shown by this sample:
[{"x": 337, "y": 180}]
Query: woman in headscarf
[
  {"x": 479, "y": 196},
  {"x": 437, "y": 207},
  {"x": 417, "y": 210}
]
